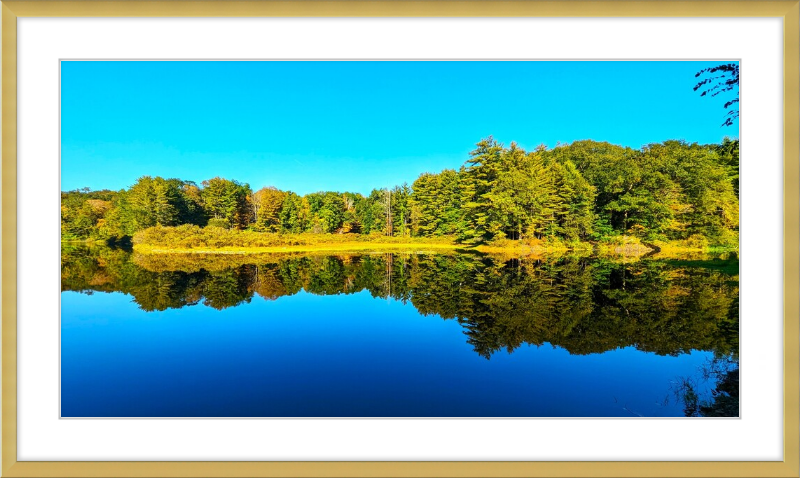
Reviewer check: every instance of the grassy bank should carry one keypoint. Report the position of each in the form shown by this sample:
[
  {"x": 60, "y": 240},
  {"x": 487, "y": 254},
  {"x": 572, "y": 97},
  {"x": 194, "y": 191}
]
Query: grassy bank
[
  {"x": 213, "y": 240},
  {"x": 74, "y": 240},
  {"x": 323, "y": 247}
]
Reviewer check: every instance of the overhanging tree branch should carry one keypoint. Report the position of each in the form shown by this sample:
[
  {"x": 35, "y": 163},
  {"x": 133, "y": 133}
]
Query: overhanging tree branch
[{"x": 721, "y": 79}]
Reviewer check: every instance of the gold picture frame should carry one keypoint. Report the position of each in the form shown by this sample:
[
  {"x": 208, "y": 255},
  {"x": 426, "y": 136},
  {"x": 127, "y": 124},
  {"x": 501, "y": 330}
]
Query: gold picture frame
[{"x": 788, "y": 10}]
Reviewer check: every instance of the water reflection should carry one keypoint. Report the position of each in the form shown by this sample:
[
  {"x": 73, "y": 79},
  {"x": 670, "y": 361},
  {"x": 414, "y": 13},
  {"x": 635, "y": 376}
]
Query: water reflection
[
  {"x": 713, "y": 391},
  {"x": 583, "y": 305}
]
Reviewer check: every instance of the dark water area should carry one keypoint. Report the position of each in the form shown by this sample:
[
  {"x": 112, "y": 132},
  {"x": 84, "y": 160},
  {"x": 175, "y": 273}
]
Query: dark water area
[{"x": 396, "y": 335}]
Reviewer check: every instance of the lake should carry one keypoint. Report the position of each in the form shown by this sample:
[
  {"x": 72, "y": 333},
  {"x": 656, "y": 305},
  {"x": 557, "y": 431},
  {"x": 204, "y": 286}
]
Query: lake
[{"x": 394, "y": 335}]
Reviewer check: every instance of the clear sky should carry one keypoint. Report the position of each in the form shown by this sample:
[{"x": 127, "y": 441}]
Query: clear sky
[{"x": 354, "y": 126}]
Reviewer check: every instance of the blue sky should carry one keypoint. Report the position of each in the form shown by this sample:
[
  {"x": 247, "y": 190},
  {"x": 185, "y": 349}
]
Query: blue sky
[{"x": 354, "y": 126}]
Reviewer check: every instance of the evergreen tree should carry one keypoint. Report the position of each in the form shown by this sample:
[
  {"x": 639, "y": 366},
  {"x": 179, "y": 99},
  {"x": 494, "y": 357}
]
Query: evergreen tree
[{"x": 482, "y": 220}]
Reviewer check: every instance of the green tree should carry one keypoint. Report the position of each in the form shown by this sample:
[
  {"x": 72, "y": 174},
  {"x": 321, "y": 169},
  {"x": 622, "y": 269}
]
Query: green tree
[
  {"x": 84, "y": 212},
  {"x": 327, "y": 211},
  {"x": 226, "y": 200},
  {"x": 633, "y": 191},
  {"x": 575, "y": 215},
  {"x": 482, "y": 219},
  {"x": 523, "y": 195},
  {"x": 435, "y": 204},
  {"x": 728, "y": 153},
  {"x": 371, "y": 212},
  {"x": 401, "y": 211},
  {"x": 149, "y": 202},
  {"x": 294, "y": 215},
  {"x": 711, "y": 206}
]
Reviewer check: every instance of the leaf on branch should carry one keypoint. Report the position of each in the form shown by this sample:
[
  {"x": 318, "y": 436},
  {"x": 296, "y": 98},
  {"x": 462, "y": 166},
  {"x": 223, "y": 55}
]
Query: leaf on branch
[{"x": 727, "y": 80}]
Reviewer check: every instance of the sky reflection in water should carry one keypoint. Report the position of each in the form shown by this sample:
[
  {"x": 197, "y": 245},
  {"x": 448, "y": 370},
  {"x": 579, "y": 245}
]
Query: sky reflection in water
[{"x": 358, "y": 354}]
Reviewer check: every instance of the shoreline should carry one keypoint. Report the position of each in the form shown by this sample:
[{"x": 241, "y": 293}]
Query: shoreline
[
  {"x": 332, "y": 247},
  {"x": 589, "y": 249}
]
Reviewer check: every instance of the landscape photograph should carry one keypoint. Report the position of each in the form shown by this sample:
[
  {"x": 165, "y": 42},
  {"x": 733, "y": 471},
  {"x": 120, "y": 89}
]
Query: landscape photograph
[{"x": 426, "y": 239}]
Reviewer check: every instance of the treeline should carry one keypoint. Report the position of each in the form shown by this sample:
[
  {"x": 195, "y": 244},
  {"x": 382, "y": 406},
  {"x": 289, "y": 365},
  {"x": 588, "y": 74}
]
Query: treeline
[
  {"x": 584, "y": 306},
  {"x": 582, "y": 191}
]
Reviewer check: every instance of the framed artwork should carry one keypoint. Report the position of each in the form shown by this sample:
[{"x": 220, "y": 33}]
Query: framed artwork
[{"x": 297, "y": 239}]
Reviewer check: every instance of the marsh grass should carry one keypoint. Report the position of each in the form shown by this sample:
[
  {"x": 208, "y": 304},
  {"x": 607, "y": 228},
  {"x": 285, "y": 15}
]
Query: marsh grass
[{"x": 191, "y": 239}]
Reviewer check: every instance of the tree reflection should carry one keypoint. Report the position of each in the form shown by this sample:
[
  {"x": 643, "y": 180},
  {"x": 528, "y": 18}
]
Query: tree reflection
[
  {"x": 721, "y": 377},
  {"x": 583, "y": 305}
]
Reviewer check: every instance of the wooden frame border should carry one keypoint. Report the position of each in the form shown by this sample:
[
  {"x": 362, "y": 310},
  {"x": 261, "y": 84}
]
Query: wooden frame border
[{"x": 789, "y": 10}]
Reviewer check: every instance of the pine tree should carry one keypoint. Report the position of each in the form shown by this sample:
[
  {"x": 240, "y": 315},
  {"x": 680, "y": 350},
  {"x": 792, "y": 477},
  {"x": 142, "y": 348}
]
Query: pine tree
[{"x": 482, "y": 221}]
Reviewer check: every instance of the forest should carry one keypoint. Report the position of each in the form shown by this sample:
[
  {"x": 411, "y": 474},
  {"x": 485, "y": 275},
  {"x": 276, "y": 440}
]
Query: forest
[{"x": 586, "y": 191}]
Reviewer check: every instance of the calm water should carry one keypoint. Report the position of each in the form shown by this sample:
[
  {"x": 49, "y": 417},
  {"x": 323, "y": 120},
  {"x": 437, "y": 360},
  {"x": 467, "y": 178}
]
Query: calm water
[{"x": 391, "y": 335}]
